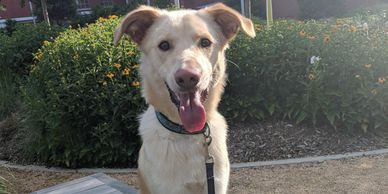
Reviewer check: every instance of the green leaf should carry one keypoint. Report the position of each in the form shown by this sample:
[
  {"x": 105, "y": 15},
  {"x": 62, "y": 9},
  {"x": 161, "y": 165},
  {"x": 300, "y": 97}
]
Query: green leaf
[
  {"x": 302, "y": 115},
  {"x": 271, "y": 109},
  {"x": 331, "y": 117}
]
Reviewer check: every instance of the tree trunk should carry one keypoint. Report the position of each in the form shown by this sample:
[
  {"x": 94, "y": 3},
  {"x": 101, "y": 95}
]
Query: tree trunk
[
  {"x": 45, "y": 13},
  {"x": 249, "y": 9},
  {"x": 177, "y": 3},
  {"x": 269, "y": 13}
]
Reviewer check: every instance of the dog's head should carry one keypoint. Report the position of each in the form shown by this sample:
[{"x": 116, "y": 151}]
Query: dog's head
[{"x": 183, "y": 56}]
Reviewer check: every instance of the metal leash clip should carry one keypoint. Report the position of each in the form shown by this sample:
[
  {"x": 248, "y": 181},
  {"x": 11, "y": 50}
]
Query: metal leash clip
[{"x": 208, "y": 137}]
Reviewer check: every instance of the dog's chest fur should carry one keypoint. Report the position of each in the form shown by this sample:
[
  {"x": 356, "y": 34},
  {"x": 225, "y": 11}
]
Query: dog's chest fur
[{"x": 171, "y": 159}]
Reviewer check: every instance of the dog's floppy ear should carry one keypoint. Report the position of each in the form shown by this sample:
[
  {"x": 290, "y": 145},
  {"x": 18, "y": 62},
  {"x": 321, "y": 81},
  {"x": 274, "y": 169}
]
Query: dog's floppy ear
[
  {"x": 136, "y": 23},
  {"x": 230, "y": 20}
]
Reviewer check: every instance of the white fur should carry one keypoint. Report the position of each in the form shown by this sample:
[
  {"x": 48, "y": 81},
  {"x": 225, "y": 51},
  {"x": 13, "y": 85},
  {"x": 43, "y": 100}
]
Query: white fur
[
  {"x": 176, "y": 163},
  {"x": 171, "y": 163}
]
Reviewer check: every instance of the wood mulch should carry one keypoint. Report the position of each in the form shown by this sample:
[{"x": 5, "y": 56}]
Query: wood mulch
[{"x": 282, "y": 140}]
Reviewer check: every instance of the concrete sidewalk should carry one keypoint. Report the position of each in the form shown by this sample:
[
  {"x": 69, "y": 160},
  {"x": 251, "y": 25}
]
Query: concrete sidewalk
[
  {"x": 365, "y": 175},
  {"x": 355, "y": 175}
]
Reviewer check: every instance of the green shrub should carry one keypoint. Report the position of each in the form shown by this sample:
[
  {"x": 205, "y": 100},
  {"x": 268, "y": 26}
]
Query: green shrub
[
  {"x": 10, "y": 26},
  {"x": 16, "y": 51},
  {"x": 346, "y": 88},
  {"x": 9, "y": 97},
  {"x": 16, "y": 56},
  {"x": 83, "y": 99}
]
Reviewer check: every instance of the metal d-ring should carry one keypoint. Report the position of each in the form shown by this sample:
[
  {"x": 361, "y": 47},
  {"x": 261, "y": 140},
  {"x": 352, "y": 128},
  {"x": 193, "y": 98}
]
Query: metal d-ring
[{"x": 207, "y": 135}]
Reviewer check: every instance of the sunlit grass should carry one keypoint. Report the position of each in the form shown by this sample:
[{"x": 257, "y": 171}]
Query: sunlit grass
[{"x": 3, "y": 187}]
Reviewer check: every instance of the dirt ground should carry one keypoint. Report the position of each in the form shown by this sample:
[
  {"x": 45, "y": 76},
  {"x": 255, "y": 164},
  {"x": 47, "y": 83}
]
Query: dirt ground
[
  {"x": 250, "y": 142},
  {"x": 359, "y": 175}
]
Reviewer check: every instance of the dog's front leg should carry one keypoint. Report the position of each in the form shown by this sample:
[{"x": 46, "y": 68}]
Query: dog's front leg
[{"x": 222, "y": 170}]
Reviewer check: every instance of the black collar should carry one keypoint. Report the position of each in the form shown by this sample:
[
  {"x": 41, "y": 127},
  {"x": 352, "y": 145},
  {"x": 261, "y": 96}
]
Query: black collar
[{"x": 176, "y": 128}]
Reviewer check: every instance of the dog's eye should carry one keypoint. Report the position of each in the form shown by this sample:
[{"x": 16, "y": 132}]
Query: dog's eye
[
  {"x": 164, "y": 46},
  {"x": 204, "y": 42}
]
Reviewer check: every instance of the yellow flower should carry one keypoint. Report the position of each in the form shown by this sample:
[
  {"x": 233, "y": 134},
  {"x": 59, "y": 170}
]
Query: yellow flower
[
  {"x": 326, "y": 38},
  {"x": 353, "y": 28},
  {"x": 112, "y": 17},
  {"x": 130, "y": 53},
  {"x": 45, "y": 42},
  {"x": 374, "y": 91},
  {"x": 381, "y": 80},
  {"x": 311, "y": 37},
  {"x": 368, "y": 66},
  {"x": 117, "y": 65},
  {"x": 302, "y": 34},
  {"x": 101, "y": 19},
  {"x": 258, "y": 28},
  {"x": 311, "y": 76},
  {"x": 39, "y": 55},
  {"x": 336, "y": 28},
  {"x": 33, "y": 67},
  {"x": 135, "y": 84},
  {"x": 126, "y": 71},
  {"x": 110, "y": 75}
]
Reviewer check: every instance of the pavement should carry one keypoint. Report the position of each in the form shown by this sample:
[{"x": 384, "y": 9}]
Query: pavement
[{"x": 367, "y": 174}]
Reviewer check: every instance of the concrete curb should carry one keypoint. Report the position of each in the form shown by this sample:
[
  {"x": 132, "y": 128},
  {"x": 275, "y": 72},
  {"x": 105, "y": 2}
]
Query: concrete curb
[
  {"x": 310, "y": 159},
  {"x": 9, "y": 165}
]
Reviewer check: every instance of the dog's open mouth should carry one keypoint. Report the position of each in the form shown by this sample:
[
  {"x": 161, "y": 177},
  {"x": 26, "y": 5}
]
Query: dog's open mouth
[{"x": 191, "y": 108}]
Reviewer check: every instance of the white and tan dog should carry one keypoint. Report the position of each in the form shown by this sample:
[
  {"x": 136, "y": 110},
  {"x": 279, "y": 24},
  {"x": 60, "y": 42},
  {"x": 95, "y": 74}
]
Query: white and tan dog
[{"x": 183, "y": 76}]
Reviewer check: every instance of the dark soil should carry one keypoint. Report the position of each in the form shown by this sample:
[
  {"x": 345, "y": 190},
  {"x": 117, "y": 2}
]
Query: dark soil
[
  {"x": 281, "y": 140},
  {"x": 246, "y": 142},
  {"x": 11, "y": 140}
]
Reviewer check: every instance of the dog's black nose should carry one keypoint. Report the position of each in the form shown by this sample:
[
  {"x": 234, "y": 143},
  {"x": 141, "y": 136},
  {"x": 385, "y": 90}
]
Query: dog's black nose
[{"x": 187, "y": 78}]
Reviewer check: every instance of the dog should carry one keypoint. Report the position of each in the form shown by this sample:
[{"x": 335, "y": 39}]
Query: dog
[{"x": 183, "y": 76}]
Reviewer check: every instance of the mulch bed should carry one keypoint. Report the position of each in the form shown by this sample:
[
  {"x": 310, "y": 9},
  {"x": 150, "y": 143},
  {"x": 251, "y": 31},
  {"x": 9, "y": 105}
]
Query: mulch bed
[
  {"x": 11, "y": 140},
  {"x": 246, "y": 142},
  {"x": 282, "y": 140}
]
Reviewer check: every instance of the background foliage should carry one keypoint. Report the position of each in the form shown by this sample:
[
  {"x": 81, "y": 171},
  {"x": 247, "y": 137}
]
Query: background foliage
[
  {"x": 345, "y": 88},
  {"x": 18, "y": 43},
  {"x": 81, "y": 96},
  {"x": 83, "y": 99},
  {"x": 60, "y": 11},
  {"x": 315, "y": 9}
]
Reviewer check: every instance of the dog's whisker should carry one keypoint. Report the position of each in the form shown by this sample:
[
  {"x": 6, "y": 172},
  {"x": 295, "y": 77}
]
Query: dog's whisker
[{"x": 233, "y": 63}]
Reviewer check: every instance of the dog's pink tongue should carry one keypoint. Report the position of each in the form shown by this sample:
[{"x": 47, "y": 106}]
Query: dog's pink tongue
[{"x": 191, "y": 111}]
